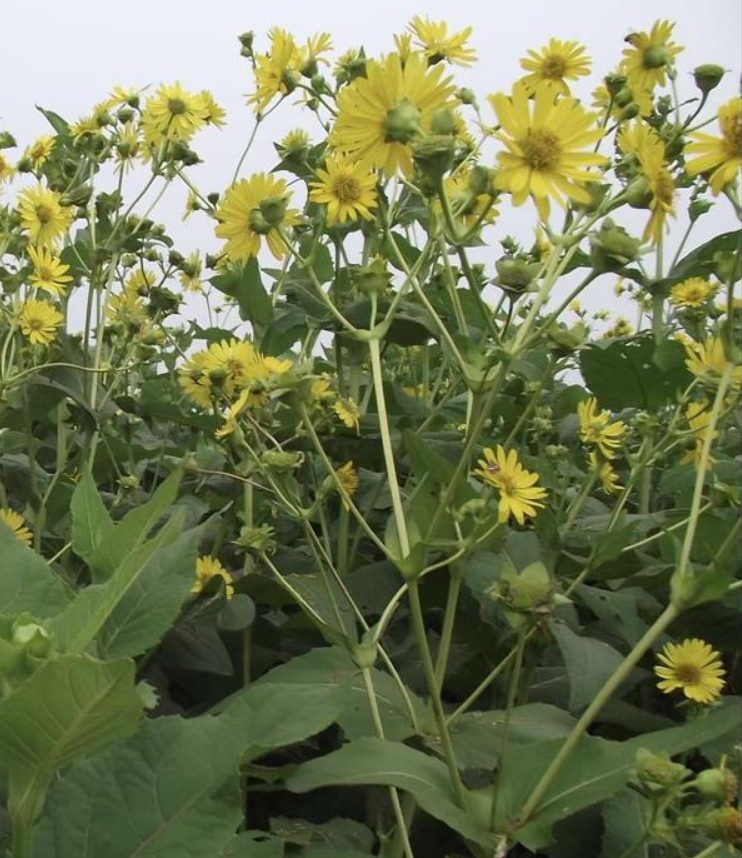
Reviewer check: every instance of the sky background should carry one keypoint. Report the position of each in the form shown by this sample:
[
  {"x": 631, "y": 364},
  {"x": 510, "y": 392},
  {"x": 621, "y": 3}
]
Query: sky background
[{"x": 68, "y": 55}]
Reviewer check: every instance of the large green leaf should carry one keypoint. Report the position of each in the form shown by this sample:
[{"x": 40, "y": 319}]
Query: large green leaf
[
  {"x": 98, "y": 607},
  {"x": 596, "y": 770},
  {"x": 699, "y": 262},
  {"x": 170, "y": 791},
  {"x": 624, "y": 825},
  {"x": 375, "y": 761},
  {"x": 132, "y": 531},
  {"x": 91, "y": 523},
  {"x": 70, "y": 707},
  {"x": 246, "y": 287},
  {"x": 26, "y": 581},
  {"x": 589, "y": 664},
  {"x": 625, "y": 374}
]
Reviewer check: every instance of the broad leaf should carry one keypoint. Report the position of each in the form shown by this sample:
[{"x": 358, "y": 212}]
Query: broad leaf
[
  {"x": 91, "y": 523},
  {"x": 26, "y": 581}
]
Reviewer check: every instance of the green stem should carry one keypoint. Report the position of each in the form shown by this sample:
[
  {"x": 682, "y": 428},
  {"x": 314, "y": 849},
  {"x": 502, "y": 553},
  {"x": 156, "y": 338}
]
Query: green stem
[
  {"x": 449, "y": 620},
  {"x": 393, "y": 794},
  {"x": 710, "y": 850},
  {"x": 603, "y": 696},
  {"x": 418, "y": 624},
  {"x": 386, "y": 443}
]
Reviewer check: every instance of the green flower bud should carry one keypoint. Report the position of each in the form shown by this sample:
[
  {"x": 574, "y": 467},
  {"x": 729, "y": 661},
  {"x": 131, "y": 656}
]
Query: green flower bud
[
  {"x": 402, "y": 123},
  {"x": 246, "y": 39},
  {"x": 125, "y": 114},
  {"x": 34, "y": 638},
  {"x": 257, "y": 222},
  {"x": 273, "y": 210},
  {"x": 175, "y": 258},
  {"x": 612, "y": 248},
  {"x": 623, "y": 97},
  {"x": 213, "y": 197},
  {"x": 258, "y": 539},
  {"x": 374, "y": 278},
  {"x": 614, "y": 83},
  {"x": 482, "y": 180},
  {"x": 282, "y": 461},
  {"x": 655, "y": 58},
  {"x": 24, "y": 165},
  {"x": 631, "y": 111},
  {"x": 466, "y": 95},
  {"x": 515, "y": 274},
  {"x": 708, "y": 76},
  {"x": 727, "y": 823},
  {"x": 290, "y": 80},
  {"x": 658, "y": 770},
  {"x": 717, "y": 784},
  {"x": 442, "y": 121},
  {"x": 319, "y": 84},
  {"x": 638, "y": 194},
  {"x": 698, "y": 207},
  {"x": 434, "y": 155}
]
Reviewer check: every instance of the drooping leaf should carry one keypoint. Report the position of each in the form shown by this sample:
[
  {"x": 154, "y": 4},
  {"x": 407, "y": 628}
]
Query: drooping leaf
[{"x": 91, "y": 523}]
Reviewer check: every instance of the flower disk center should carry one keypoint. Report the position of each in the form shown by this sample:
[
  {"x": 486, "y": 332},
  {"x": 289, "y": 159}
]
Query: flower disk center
[
  {"x": 176, "y": 106},
  {"x": 541, "y": 150},
  {"x": 346, "y": 188},
  {"x": 688, "y": 674},
  {"x": 553, "y": 67},
  {"x": 44, "y": 214}
]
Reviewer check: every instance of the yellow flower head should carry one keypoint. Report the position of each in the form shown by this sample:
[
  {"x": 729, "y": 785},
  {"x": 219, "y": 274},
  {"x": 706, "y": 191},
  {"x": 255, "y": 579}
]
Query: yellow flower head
[
  {"x": 127, "y": 308},
  {"x": 84, "y": 127},
  {"x": 39, "y": 151},
  {"x": 39, "y": 321},
  {"x": 124, "y": 95},
  {"x": 467, "y": 206},
  {"x": 645, "y": 145},
  {"x": 348, "y": 478},
  {"x": 230, "y": 364},
  {"x": 347, "y": 412},
  {"x": 215, "y": 115},
  {"x": 707, "y": 361},
  {"x": 694, "y": 292},
  {"x": 190, "y": 274},
  {"x": 7, "y": 170},
  {"x": 698, "y": 415},
  {"x": 642, "y": 98},
  {"x": 43, "y": 216},
  {"x": 693, "y": 667},
  {"x": 127, "y": 146},
  {"x": 437, "y": 45},
  {"x": 604, "y": 472},
  {"x": 519, "y": 494},
  {"x": 16, "y": 523},
  {"x": 649, "y": 56},
  {"x": 272, "y": 70},
  {"x": 549, "y": 141},
  {"x": 554, "y": 65},
  {"x": 380, "y": 115},
  {"x": 596, "y": 428},
  {"x": 251, "y": 210},
  {"x": 719, "y": 156},
  {"x": 49, "y": 272},
  {"x": 173, "y": 114},
  {"x": 193, "y": 377},
  {"x": 294, "y": 143},
  {"x": 347, "y": 188},
  {"x": 208, "y": 568}
]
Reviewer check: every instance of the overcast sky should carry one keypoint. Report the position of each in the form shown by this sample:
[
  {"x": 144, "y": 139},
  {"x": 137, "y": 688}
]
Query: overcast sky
[{"x": 68, "y": 55}]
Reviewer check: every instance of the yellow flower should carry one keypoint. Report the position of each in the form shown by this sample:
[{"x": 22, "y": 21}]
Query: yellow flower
[
  {"x": 39, "y": 321},
  {"x": 622, "y": 328},
  {"x": 190, "y": 275},
  {"x": 644, "y": 143},
  {"x": 403, "y": 44},
  {"x": 172, "y": 114},
  {"x": 605, "y": 473},
  {"x": 438, "y": 45},
  {"x": 641, "y": 97},
  {"x": 193, "y": 204},
  {"x": 692, "y": 666},
  {"x": 230, "y": 364},
  {"x": 242, "y": 221},
  {"x": 127, "y": 308},
  {"x": 84, "y": 127},
  {"x": 294, "y": 143},
  {"x": 271, "y": 68},
  {"x": 347, "y": 188},
  {"x": 693, "y": 292},
  {"x": 7, "y": 170},
  {"x": 140, "y": 281},
  {"x": 127, "y": 146},
  {"x": 16, "y": 523},
  {"x": 698, "y": 415},
  {"x": 546, "y": 147},
  {"x": 43, "y": 215},
  {"x": 49, "y": 272},
  {"x": 208, "y": 568},
  {"x": 647, "y": 60},
  {"x": 466, "y": 205},
  {"x": 348, "y": 413},
  {"x": 348, "y": 478},
  {"x": 722, "y": 155},
  {"x": 194, "y": 379},
  {"x": 554, "y": 65},
  {"x": 215, "y": 114},
  {"x": 380, "y": 115},
  {"x": 707, "y": 361},
  {"x": 519, "y": 494},
  {"x": 124, "y": 95},
  {"x": 596, "y": 428},
  {"x": 38, "y": 152},
  {"x": 233, "y": 412}
]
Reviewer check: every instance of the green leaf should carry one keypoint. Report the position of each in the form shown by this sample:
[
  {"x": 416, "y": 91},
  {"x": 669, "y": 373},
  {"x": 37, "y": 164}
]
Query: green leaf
[
  {"x": 623, "y": 819},
  {"x": 375, "y": 761},
  {"x": 425, "y": 460},
  {"x": 246, "y": 287},
  {"x": 699, "y": 262},
  {"x": 55, "y": 120},
  {"x": 589, "y": 664},
  {"x": 595, "y": 770},
  {"x": 132, "y": 531},
  {"x": 70, "y": 707},
  {"x": 608, "y": 546},
  {"x": 91, "y": 523},
  {"x": 253, "y": 844},
  {"x": 26, "y": 581},
  {"x": 106, "y": 609},
  {"x": 625, "y": 375},
  {"x": 171, "y": 791}
]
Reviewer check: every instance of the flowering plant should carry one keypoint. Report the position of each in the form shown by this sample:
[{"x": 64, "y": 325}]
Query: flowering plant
[{"x": 369, "y": 496}]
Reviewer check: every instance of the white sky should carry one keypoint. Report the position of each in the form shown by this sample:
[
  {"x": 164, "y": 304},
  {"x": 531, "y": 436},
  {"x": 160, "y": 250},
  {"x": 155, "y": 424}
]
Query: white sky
[{"x": 68, "y": 55}]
